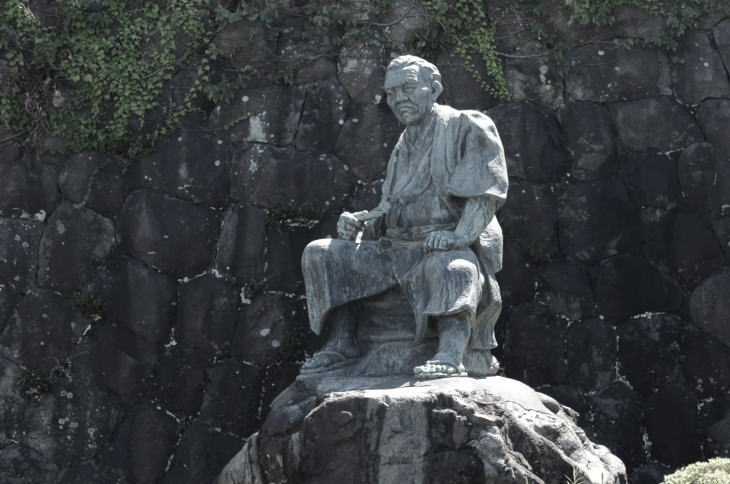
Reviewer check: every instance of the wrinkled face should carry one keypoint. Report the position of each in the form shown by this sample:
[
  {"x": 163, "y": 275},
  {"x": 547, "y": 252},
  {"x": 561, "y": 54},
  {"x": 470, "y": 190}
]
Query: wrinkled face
[{"x": 409, "y": 96}]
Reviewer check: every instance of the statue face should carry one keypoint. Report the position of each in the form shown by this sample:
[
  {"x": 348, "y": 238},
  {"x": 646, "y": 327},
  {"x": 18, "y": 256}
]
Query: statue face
[{"x": 409, "y": 95}]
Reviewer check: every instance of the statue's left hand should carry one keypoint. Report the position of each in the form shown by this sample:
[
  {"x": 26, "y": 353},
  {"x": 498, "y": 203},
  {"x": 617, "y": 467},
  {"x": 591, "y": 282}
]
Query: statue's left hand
[{"x": 444, "y": 240}]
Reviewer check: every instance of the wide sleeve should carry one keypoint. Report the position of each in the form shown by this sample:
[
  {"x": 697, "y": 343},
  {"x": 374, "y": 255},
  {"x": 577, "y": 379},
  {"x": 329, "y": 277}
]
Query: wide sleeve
[{"x": 479, "y": 168}]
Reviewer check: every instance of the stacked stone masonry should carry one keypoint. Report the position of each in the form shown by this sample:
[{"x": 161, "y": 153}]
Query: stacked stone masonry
[{"x": 151, "y": 310}]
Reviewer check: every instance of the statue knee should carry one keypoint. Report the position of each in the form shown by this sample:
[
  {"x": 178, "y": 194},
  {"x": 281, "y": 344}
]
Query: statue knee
[
  {"x": 315, "y": 251},
  {"x": 463, "y": 267}
]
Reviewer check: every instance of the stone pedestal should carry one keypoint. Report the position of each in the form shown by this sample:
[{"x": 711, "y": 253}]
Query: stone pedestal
[{"x": 395, "y": 430}]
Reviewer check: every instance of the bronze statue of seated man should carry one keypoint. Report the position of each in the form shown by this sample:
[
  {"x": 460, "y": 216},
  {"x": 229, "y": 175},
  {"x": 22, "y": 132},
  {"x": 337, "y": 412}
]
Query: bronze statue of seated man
[{"x": 434, "y": 236}]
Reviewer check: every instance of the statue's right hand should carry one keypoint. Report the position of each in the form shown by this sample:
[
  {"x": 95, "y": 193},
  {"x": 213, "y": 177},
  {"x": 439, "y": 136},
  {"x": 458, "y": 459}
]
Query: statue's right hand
[{"x": 348, "y": 226}]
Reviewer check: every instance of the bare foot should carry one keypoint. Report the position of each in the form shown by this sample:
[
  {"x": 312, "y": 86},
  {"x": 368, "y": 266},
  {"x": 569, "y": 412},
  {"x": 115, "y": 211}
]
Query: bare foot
[{"x": 326, "y": 360}]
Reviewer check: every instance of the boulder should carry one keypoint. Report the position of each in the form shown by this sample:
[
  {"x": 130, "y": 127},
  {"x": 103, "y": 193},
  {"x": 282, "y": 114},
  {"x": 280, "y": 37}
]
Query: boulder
[
  {"x": 708, "y": 305},
  {"x": 18, "y": 251},
  {"x": 534, "y": 344},
  {"x": 695, "y": 251},
  {"x": 706, "y": 364},
  {"x": 589, "y": 140},
  {"x": 323, "y": 116},
  {"x": 206, "y": 314},
  {"x": 529, "y": 217},
  {"x": 591, "y": 354},
  {"x": 305, "y": 50},
  {"x": 629, "y": 285},
  {"x": 701, "y": 74},
  {"x": 635, "y": 22},
  {"x": 721, "y": 34},
  {"x": 531, "y": 139},
  {"x": 718, "y": 436},
  {"x": 178, "y": 381},
  {"x": 713, "y": 116},
  {"x": 651, "y": 180},
  {"x": 201, "y": 455},
  {"x": 29, "y": 189},
  {"x": 705, "y": 179},
  {"x": 142, "y": 444},
  {"x": 19, "y": 464},
  {"x": 657, "y": 124},
  {"x": 139, "y": 299},
  {"x": 461, "y": 89},
  {"x": 407, "y": 21},
  {"x": 518, "y": 277},
  {"x": 259, "y": 113},
  {"x": 634, "y": 73},
  {"x": 367, "y": 139},
  {"x": 283, "y": 178},
  {"x": 650, "y": 350},
  {"x": 394, "y": 430},
  {"x": 188, "y": 166},
  {"x": 242, "y": 244},
  {"x": 672, "y": 425},
  {"x": 361, "y": 67},
  {"x": 93, "y": 180},
  {"x": 172, "y": 235},
  {"x": 75, "y": 241},
  {"x": 597, "y": 220},
  {"x": 10, "y": 147},
  {"x": 246, "y": 43},
  {"x": 566, "y": 290}
]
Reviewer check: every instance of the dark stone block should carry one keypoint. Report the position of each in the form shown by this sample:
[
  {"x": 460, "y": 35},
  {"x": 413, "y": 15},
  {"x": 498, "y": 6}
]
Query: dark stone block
[
  {"x": 567, "y": 395},
  {"x": 42, "y": 332},
  {"x": 323, "y": 115},
  {"x": 85, "y": 473},
  {"x": 651, "y": 473},
  {"x": 260, "y": 113},
  {"x": 367, "y": 196},
  {"x": 29, "y": 189},
  {"x": 18, "y": 251},
  {"x": 534, "y": 344},
  {"x": 535, "y": 79},
  {"x": 75, "y": 418},
  {"x": 263, "y": 327},
  {"x": 705, "y": 179},
  {"x": 307, "y": 50},
  {"x": 206, "y": 314},
  {"x": 246, "y": 43},
  {"x": 283, "y": 257},
  {"x": 707, "y": 364},
  {"x": 172, "y": 235},
  {"x": 651, "y": 180},
  {"x": 139, "y": 299},
  {"x": 713, "y": 116},
  {"x": 695, "y": 250},
  {"x": 721, "y": 34},
  {"x": 614, "y": 419},
  {"x": 635, "y": 72},
  {"x": 179, "y": 379},
  {"x": 672, "y": 424},
  {"x": 529, "y": 216},
  {"x": 188, "y": 166},
  {"x": 9, "y": 298},
  {"x": 718, "y": 437},
  {"x": 143, "y": 445},
  {"x": 566, "y": 290},
  {"x": 596, "y": 220},
  {"x": 591, "y": 354},
  {"x": 94, "y": 180},
  {"x": 461, "y": 89},
  {"x": 361, "y": 67},
  {"x": 589, "y": 140},
  {"x": 232, "y": 398},
  {"x": 709, "y": 305},
  {"x": 123, "y": 362},
  {"x": 75, "y": 241},
  {"x": 635, "y": 22},
  {"x": 367, "y": 139},
  {"x": 201, "y": 455},
  {"x": 517, "y": 278},
  {"x": 656, "y": 124},
  {"x": 531, "y": 139},
  {"x": 276, "y": 177},
  {"x": 15, "y": 399},
  {"x": 721, "y": 228},
  {"x": 20, "y": 464},
  {"x": 10, "y": 147},
  {"x": 628, "y": 285},
  {"x": 242, "y": 244},
  {"x": 701, "y": 74},
  {"x": 651, "y": 351}
]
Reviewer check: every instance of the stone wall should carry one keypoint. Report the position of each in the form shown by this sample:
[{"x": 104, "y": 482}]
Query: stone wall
[{"x": 150, "y": 310}]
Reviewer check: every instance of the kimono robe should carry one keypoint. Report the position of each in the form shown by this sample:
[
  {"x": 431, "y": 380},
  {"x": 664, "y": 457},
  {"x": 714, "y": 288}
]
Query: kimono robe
[{"x": 457, "y": 156}]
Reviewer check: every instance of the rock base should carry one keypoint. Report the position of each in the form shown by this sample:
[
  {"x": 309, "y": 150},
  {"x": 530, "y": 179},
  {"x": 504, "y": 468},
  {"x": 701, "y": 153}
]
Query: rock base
[{"x": 395, "y": 430}]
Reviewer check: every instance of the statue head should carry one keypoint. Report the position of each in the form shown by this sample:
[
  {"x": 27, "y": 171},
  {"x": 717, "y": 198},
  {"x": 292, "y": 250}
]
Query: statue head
[{"x": 412, "y": 86}]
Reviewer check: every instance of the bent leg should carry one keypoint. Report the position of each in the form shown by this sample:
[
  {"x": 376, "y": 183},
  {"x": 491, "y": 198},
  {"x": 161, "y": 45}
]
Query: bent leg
[{"x": 453, "y": 333}]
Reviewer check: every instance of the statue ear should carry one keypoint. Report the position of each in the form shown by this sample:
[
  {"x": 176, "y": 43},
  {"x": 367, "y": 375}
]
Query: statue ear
[{"x": 436, "y": 90}]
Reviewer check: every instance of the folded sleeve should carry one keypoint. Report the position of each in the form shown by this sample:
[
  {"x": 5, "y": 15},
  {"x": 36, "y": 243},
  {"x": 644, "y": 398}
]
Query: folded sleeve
[{"x": 480, "y": 168}]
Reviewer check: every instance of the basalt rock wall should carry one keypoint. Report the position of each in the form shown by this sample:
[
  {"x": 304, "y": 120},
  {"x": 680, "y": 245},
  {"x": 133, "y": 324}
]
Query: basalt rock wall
[{"x": 151, "y": 310}]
